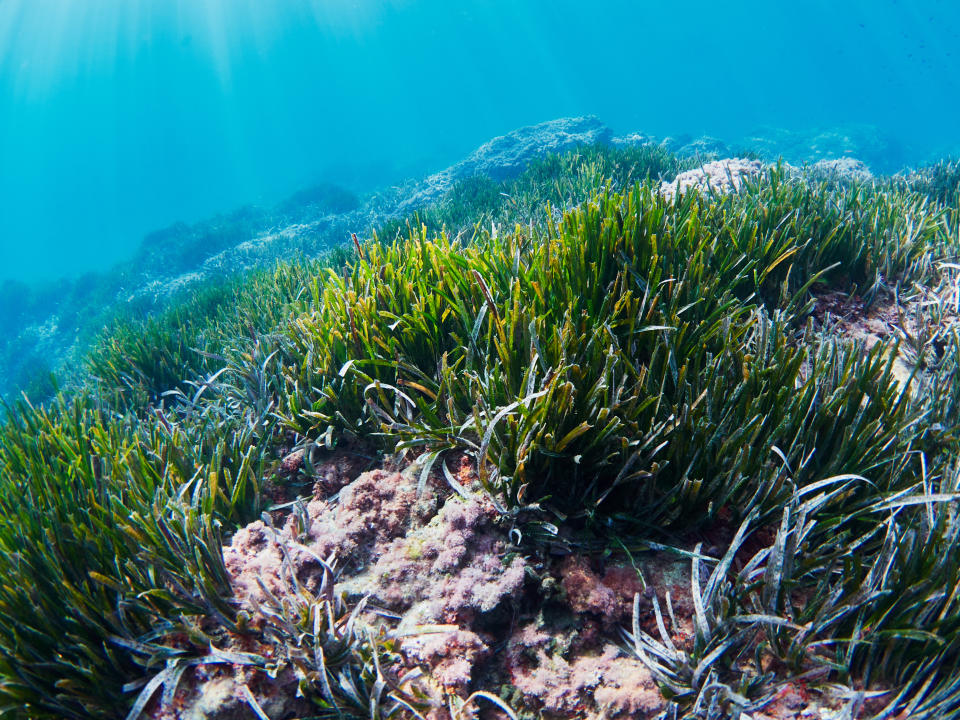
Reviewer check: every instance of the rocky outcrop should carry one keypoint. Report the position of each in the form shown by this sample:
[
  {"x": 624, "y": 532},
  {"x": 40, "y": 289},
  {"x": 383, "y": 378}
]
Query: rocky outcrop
[
  {"x": 439, "y": 571},
  {"x": 634, "y": 139},
  {"x": 799, "y": 147},
  {"x": 507, "y": 156},
  {"x": 841, "y": 169},
  {"x": 729, "y": 174},
  {"x": 289, "y": 232},
  {"x": 720, "y": 176}
]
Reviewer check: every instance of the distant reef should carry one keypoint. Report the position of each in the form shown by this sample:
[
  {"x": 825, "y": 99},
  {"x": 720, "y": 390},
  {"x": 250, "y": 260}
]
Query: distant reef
[{"x": 45, "y": 328}]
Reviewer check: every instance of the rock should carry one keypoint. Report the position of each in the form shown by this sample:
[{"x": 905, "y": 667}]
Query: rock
[
  {"x": 217, "y": 693},
  {"x": 572, "y": 684},
  {"x": 217, "y": 699},
  {"x": 439, "y": 564},
  {"x": 673, "y": 144},
  {"x": 720, "y": 176},
  {"x": 841, "y": 169},
  {"x": 296, "y": 225},
  {"x": 808, "y": 147},
  {"x": 372, "y": 510},
  {"x": 451, "y": 567},
  {"x": 704, "y": 148},
  {"x": 508, "y": 155},
  {"x": 634, "y": 139},
  {"x": 451, "y": 655},
  {"x": 292, "y": 462}
]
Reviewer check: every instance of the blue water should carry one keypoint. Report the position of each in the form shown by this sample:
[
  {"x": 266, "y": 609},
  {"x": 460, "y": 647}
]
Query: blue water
[{"x": 121, "y": 116}]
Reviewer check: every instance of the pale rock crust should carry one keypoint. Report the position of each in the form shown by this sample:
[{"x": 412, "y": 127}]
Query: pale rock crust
[
  {"x": 719, "y": 176},
  {"x": 620, "y": 686},
  {"x": 507, "y": 155},
  {"x": 841, "y": 169},
  {"x": 375, "y": 507}
]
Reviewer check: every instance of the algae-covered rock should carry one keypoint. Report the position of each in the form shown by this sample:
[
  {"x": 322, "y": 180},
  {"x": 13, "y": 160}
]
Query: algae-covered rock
[
  {"x": 506, "y": 156},
  {"x": 719, "y": 176},
  {"x": 841, "y": 169}
]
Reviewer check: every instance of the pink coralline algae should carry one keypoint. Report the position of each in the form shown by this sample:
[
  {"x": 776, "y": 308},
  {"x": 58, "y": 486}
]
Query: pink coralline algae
[
  {"x": 374, "y": 508},
  {"x": 610, "y": 596},
  {"x": 600, "y": 683},
  {"x": 444, "y": 567},
  {"x": 292, "y": 463},
  {"x": 448, "y": 569},
  {"x": 450, "y": 655},
  {"x": 431, "y": 566}
]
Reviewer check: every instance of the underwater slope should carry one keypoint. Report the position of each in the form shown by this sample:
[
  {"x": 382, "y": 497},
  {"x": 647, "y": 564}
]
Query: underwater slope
[
  {"x": 43, "y": 326},
  {"x": 46, "y": 328},
  {"x": 630, "y": 447}
]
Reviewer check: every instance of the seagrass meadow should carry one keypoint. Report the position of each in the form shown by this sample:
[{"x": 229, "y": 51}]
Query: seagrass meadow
[{"x": 761, "y": 383}]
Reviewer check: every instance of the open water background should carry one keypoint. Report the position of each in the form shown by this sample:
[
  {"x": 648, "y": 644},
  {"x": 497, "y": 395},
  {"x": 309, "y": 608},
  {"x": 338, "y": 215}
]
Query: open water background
[{"x": 121, "y": 116}]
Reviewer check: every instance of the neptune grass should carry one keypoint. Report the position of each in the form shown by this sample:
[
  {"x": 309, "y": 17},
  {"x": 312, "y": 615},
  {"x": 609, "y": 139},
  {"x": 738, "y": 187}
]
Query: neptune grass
[
  {"x": 637, "y": 350},
  {"x": 139, "y": 358},
  {"x": 562, "y": 181},
  {"x": 940, "y": 182},
  {"x": 111, "y": 525},
  {"x": 629, "y": 365}
]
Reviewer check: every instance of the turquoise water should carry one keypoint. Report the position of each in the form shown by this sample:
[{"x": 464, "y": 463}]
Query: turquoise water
[{"x": 121, "y": 116}]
